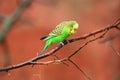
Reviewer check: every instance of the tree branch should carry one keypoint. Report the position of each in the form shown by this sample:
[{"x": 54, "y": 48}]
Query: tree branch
[
  {"x": 31, "y": 61},
  {"x": 9, "y": 20}
]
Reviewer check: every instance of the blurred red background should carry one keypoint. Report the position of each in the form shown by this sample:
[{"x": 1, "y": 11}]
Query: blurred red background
[{"x": 39, "y": 18}]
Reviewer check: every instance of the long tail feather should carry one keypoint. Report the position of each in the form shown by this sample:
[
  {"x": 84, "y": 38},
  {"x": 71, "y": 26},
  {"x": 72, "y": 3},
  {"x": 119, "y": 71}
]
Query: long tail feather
[
  {"x": 43, "y": 50},
  {"x": 42, "y": 38},
  {"x": 45, "y": 47}
]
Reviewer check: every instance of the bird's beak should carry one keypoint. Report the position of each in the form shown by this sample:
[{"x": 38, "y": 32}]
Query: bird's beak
[{"x": 73, "y": 31}]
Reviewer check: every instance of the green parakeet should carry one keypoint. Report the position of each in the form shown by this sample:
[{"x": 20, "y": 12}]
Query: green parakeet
[{"x": 60, "y": 33}]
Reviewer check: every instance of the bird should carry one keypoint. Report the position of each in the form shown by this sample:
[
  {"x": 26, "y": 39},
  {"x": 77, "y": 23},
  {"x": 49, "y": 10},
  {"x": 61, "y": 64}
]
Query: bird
[{"x": 59, "y": 34}]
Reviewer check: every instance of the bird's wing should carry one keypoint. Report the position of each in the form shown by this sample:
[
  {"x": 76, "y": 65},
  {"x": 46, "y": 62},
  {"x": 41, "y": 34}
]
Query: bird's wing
[
  {"x": 58, "y": 29},
  {"x": 56, "y": 32}
]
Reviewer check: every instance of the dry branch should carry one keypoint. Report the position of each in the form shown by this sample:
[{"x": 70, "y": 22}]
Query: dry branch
[
  {"x": 9, "y": 20},
  {"x": 112, "y": 37},
  {"x": 31, "y": 61}
]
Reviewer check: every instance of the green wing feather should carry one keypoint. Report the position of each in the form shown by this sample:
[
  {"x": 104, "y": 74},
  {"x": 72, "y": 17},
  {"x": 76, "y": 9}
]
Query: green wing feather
[{"x": 57, "y": 31}]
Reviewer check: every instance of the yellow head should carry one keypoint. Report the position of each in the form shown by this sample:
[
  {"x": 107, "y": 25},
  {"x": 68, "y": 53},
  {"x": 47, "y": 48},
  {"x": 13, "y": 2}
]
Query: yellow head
[{"x": 73, "y": 26}]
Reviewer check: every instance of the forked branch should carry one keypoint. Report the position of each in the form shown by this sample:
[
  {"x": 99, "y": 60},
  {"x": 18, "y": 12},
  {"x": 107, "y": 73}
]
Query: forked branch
[{"x": 57, "y": 48}]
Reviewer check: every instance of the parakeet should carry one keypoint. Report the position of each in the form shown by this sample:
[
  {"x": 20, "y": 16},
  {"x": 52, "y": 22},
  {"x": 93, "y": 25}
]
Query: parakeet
[{"x": 60, "y": 33}]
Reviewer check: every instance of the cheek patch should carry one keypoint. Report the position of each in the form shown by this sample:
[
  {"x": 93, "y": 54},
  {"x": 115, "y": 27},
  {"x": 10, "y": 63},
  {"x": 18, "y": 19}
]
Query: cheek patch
[{"x": 72, "y": 31}]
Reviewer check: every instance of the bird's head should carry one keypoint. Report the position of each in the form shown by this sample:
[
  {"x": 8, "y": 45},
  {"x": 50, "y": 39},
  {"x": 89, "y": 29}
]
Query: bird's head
[{"x": 73, "y": 26}]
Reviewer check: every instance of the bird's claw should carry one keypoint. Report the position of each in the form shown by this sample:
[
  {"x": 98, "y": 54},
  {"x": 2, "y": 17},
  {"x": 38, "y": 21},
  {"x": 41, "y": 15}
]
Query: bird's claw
[
  {"x": 62, "y": 43},
  {"x": 67, "y": 41}
]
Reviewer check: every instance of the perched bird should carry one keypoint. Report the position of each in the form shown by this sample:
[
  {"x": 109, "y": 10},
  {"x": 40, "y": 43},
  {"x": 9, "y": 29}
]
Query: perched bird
[{"x": 60, "y": 33}]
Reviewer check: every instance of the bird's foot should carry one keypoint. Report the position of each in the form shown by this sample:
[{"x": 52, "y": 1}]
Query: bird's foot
[
  {"x": 67, "y": 41},
  {"x": 62, "y": 43}
]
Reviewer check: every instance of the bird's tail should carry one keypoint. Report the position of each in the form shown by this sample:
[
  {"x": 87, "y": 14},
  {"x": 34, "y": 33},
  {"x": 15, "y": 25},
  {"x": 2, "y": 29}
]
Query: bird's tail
[
  {"x": 44, "y": 49},
  {"x": 48, "y": 43}
]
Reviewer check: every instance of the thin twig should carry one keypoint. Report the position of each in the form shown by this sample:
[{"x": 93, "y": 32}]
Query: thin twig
[
  {"x": 101, "y": 36},
  {"x": 61, "y": 61},
  {"x": 80, "y": 70},
  {"x": 110, "y": 38},
  {"x": 114, "y": 50},
  {"x": 49, "y": 62},
  {"x": 9, "y": 20},
  {"x": 59, "y": 47}
]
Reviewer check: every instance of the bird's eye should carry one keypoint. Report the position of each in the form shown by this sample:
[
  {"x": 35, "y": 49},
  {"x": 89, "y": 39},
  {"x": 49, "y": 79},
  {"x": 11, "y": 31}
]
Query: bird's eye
[{"x": 75, "y": 29}]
